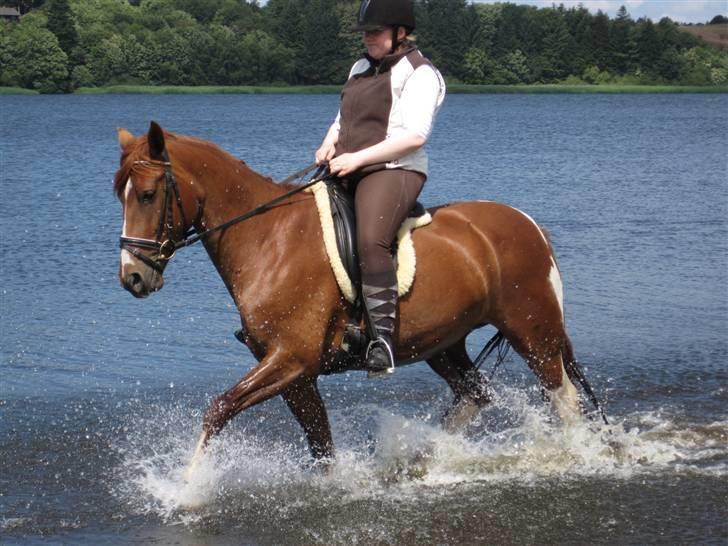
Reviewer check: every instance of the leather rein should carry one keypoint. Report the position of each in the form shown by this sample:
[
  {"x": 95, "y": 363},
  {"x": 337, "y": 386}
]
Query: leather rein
[{"x": 164, "y": 244}]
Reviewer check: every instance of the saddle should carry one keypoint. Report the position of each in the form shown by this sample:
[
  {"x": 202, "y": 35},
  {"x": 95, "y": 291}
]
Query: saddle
[{"x": 338, "y": 223}]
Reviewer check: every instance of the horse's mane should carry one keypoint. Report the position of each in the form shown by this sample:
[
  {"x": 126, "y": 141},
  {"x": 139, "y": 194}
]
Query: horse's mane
[{"x": 139, "y": 150}]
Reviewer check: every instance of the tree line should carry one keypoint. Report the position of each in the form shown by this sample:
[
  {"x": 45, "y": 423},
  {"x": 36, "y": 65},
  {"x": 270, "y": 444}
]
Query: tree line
[{"x": 60, "y": 45}]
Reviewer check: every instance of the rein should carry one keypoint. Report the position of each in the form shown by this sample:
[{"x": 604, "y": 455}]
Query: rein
[{"x": 166, "y": 248}]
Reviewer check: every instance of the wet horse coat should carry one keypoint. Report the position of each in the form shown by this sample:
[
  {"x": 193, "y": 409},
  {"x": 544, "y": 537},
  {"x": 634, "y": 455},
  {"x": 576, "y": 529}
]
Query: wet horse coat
[{"x": 478, "y": 263}]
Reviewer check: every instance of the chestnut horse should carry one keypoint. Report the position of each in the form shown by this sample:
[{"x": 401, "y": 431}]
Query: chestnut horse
[{"x": 478, "y": 263}]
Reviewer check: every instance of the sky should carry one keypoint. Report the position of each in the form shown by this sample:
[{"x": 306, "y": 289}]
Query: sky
[{"x": 682, "y": 11}]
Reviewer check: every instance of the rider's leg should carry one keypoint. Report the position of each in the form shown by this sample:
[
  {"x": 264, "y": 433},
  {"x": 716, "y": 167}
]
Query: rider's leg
[{"x": 383, "y": 200}]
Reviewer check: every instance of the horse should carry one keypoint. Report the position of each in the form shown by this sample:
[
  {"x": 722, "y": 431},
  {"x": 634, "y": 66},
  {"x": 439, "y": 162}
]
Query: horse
[{"x": 478, "y": 263}]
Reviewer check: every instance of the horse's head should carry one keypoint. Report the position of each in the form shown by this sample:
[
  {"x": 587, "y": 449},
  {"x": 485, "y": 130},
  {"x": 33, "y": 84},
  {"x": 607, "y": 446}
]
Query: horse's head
[{"x": 156, "y": 208}]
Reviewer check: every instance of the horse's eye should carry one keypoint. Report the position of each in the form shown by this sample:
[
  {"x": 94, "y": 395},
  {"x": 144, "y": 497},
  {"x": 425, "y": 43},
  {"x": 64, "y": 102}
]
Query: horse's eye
[{"x": 147, "y": 197}]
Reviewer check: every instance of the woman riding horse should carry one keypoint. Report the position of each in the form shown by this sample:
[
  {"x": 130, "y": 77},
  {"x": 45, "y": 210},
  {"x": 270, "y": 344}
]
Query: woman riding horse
[{"x": 387, "y": 110}]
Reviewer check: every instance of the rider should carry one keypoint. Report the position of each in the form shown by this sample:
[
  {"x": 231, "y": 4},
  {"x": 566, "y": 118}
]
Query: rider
[{"x": 386, "y": 114}]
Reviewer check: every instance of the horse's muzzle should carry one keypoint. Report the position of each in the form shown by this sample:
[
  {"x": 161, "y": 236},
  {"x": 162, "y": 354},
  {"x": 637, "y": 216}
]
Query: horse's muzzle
[{"x": 139, "y": 286}]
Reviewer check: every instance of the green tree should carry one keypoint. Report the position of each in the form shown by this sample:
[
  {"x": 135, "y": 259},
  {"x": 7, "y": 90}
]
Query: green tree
[
  {"x": 513, "y": 69},
  {"x": 202, "y": 10},
  {"x": 578, "y": 21},
  {"x": 285, "y": 19},
  {"x": 119, "y": 59},
  {"x": 240, "y": 16},
  {"x": 599, "y": 31},
  {"x": 31, "y": 57},
  {"x": 475, "y": 68},
  {"x": 60, "y": 23},
  {"x": 264, "y": 59},
  {"x": 556, "y": 48},
  {"x": 441, "y": 26},
  {"x": 488, "y": 22},
  {"x": 619, "y": 35},
  {"x": 319, "y": 60},
  {"x": 648, "y": 46}
]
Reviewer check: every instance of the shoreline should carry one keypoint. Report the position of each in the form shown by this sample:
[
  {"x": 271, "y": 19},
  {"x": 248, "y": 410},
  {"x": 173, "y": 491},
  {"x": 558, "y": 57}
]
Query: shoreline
[{"x": 335, "y": 89}]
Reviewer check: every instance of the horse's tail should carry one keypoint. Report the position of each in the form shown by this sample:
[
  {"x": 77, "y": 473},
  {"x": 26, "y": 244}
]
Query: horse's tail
[{"x": 575, "y": 373}]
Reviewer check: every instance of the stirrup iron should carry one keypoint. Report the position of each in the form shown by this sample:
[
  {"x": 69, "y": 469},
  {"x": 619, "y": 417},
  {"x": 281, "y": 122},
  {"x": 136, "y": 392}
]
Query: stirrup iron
[{"x": 386, "y": 372}]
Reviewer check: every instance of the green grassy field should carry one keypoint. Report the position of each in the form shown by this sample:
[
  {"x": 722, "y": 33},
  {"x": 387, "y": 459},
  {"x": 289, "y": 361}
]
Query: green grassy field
[
  {"x": 335, "y": 89},
  {"x": 207, "y": 89},
  {"x": 16, "y": 91},
  {"x": 577, "y": 89},
  {"x": 453, "y": 88}
]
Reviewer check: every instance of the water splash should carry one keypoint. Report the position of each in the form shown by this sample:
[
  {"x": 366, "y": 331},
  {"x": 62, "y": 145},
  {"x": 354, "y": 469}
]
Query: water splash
[{"x": 245, "y": 471}]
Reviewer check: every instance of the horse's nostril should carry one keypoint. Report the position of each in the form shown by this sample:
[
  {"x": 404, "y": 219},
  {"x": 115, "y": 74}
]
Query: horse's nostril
[
  {"x": 135, "y": 279},
  {"x": 134, "y": 283}
]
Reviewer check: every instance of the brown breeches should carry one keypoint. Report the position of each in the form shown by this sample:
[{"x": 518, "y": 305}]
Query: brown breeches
[{"x": 383, "y": 200}]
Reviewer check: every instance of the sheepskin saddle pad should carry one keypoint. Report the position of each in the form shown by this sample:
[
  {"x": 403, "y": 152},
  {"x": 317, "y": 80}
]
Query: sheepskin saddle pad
[{"x": 336, "y": 212}]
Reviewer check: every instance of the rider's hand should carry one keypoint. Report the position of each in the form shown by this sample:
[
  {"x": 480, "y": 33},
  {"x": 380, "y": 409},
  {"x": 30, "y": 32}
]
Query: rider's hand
[
  {"x": 345, "y": 164},
  {"x": 325, "y": 152}
]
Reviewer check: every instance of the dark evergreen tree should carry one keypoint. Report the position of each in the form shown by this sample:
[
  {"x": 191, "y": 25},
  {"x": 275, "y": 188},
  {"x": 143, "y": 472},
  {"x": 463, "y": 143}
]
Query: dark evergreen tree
[
  {"x": 648, "y": 46},
  {"x": 319, "y": 60},
  {"x": 619, "y": 41},
  {"x": 578, "y": 21},
  {"x": 600, "y": 40},
  {"x": 441, "y": 25},
  {"x": 60, "y": 23}
]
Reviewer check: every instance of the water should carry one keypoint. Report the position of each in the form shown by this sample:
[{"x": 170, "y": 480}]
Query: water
[{"x": 101, "y": 395}]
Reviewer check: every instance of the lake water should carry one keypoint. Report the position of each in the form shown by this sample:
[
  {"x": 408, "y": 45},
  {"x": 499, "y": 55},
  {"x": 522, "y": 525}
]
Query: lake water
[{"x": 101, "y": 395}]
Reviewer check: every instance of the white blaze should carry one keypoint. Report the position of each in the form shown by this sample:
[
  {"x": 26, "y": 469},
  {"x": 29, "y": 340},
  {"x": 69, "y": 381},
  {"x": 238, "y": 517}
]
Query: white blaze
[{"x": 126, "y": 256}]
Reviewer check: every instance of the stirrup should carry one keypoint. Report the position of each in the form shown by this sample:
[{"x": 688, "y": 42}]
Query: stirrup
[{"x": 386, "y": 372}]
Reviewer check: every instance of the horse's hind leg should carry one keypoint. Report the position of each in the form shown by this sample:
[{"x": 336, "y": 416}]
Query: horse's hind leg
[
  {"x": 544, "y": 349},
  {"x": 467, "y": 383},
  {"x": 305, "y": 403}
]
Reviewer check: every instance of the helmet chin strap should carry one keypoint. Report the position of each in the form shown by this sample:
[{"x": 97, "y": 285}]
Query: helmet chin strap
[{"x": 395, "y": 40}]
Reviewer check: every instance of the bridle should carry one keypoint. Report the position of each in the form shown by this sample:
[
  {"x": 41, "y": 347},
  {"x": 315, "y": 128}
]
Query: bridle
[{"x": 165, "y": 246}]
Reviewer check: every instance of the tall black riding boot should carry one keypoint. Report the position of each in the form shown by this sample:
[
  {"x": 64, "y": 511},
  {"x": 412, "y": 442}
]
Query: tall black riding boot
[{"x": 381, "y": 304}]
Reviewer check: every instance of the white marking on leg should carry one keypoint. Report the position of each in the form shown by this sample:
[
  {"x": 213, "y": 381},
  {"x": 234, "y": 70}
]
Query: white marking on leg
[
  {"x": 557, "y": 285},
  {"x": 196, "y": 458},
  {"x": 565, "y": 399},
  {"x": 554, "y": 275}
]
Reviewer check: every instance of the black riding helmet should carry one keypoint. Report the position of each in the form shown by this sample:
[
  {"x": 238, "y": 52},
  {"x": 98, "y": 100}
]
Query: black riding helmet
[{"x": 379, "y": 14}]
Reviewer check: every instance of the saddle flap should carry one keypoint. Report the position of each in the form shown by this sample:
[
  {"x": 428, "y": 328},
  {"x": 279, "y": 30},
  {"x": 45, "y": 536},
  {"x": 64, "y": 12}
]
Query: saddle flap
[{"x": 344, "y": 217}]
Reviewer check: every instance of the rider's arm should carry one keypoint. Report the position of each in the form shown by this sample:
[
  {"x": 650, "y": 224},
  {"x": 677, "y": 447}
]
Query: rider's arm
[
  {"x": 382, "y": 152},
  {"x": 420, "y": 100},
  {"x": 328, "y": 147}
]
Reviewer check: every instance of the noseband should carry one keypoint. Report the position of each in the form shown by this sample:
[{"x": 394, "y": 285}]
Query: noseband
[{"x": 164, "y": 244}]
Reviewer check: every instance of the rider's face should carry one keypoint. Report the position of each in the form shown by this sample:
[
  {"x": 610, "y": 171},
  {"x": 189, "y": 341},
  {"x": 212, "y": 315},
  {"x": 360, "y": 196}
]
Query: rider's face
[{"x": 378, "y": 42}]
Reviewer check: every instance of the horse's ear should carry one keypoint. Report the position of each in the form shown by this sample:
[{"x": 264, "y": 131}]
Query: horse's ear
[
  {"x": 125, "y": 137},
  {"x": 155, "y": 137}
]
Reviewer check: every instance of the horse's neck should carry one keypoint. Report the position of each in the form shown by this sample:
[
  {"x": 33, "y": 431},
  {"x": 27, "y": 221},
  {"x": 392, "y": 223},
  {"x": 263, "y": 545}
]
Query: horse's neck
[{"x": 231, "y": 189}]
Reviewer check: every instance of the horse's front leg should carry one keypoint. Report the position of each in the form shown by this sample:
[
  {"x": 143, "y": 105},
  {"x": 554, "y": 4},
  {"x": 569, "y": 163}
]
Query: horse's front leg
[{"x": 272, "y": 376}]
